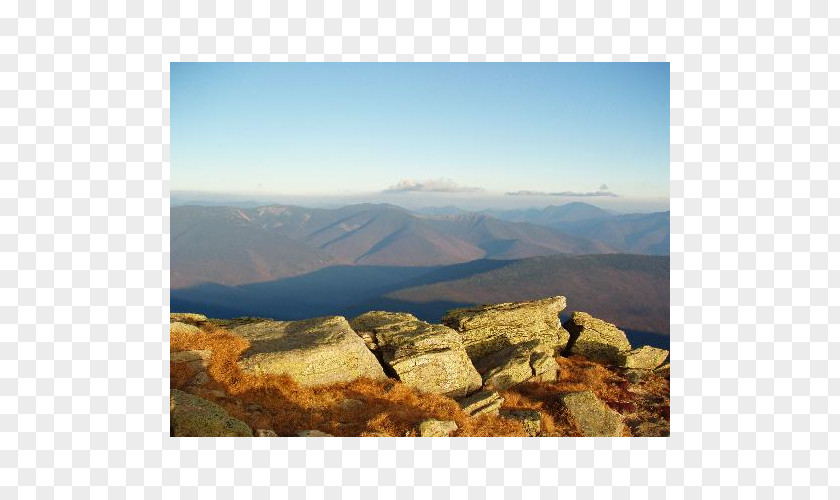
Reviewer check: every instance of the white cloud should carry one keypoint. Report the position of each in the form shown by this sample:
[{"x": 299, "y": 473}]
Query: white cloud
[
  {"x": 430, "y": 186},
  {"x": 571, "y": 194}
]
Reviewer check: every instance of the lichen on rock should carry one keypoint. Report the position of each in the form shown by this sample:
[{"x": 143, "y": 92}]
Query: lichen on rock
[
  {"x": 491, "y": 328},
  {"x": 317, "y": 351},
  {"x": 436, "y": 428},
  {"x": 593, "y": 417},
  {"x": 596, "y": 339},
  {"x": 516, "y": 364},
  {"x": 191, "y": 415},
  {"x": 424, "y": 356},
  {"x": 645, "y": 358}
]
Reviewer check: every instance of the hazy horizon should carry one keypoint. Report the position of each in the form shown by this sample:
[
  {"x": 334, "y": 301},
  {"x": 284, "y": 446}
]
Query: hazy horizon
[
  {"x": 477, "y": 203},
  {"x": 473, "y": 135}
]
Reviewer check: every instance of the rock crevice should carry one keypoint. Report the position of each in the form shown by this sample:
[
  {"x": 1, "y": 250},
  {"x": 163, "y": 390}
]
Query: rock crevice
[{"x": 427, "y": 357}]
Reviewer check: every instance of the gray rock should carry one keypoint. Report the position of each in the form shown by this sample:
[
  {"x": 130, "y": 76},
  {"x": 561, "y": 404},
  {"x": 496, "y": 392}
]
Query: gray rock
[
  {"x": 191, "y": 415},
  {"x": 645, "y": 358},
  {"x": 482, "y": 403},
  {"x": 488, "y": 329},
  {"x": 591, "y": 414},
  {"x": 265, "y": 433},
  {"x": 544, "y": 366},
  {"x": 530, "y": 420},
  {"x": 516, "y": 364},
  {"x": 596, "y": 339},
  {"x": 313, "y": 352},
  {"x": 436, "y": 428},
  {"x": 427, "y": 357}
]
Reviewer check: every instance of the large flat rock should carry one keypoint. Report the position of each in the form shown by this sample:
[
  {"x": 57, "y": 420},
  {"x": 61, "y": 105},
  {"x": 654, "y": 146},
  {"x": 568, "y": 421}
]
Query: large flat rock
[
  {"x": 316, "y": 351},
  {"x": 488, "y": 329},
  {"x": 596, "y": 339},
  {"x": 424, "y": 356}
]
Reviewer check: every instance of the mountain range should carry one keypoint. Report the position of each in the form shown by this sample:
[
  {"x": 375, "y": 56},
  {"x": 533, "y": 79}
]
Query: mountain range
[
  {"x": 291, "y": 262},
  {"x": 234, "y": 246},
  {"x": 646, "y": 233}
]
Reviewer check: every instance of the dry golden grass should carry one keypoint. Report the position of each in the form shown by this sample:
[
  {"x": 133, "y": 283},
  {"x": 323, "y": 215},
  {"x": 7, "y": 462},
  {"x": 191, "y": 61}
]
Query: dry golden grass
[
  {"x": 388, "y": 407},
  {"x": 579, "y": 374},
  {"x": 652, "y": 414},
  {"x": 278, "y": 403}
]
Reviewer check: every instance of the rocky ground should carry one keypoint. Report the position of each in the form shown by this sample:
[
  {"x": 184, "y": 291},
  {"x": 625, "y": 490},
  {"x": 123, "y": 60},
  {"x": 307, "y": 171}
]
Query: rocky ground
[{"x": 499, "y": 370}]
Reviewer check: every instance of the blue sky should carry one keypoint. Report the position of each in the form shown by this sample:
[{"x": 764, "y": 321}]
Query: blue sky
[{"x": 424, "y": 133}]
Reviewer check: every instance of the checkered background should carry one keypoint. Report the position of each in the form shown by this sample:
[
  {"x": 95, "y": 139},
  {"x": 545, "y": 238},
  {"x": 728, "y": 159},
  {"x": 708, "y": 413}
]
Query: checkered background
[{"x": 84, "y": 249}]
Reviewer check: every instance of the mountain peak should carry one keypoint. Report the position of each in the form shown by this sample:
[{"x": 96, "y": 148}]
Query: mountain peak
[{"x": 574, "y": 211}]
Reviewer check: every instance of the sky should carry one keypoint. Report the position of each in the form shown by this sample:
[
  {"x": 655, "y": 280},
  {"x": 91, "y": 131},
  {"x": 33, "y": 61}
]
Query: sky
[{"x": 475, "y": 135}]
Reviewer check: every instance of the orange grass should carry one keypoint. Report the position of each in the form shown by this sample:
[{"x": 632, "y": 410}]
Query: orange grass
[
  {"x": 278, "y": 403},
  {"x": 390, "y": 408},
  {"x": 576, "y": 374}
]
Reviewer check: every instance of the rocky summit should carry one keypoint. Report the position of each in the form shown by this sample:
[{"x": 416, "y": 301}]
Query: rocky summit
[{"x": 498, "y": 370}]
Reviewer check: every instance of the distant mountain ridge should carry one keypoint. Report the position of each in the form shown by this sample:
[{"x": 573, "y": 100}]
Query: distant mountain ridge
[
  {"x": 645, "y": 233},
  {"x": 291, "y": 262},
  {"x": 233, "y": 246},
  {"x": 553, "y": 214}
]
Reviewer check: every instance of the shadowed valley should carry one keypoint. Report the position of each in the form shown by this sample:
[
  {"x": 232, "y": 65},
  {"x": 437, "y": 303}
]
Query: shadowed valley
[{"x": 287, "y": 262}]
